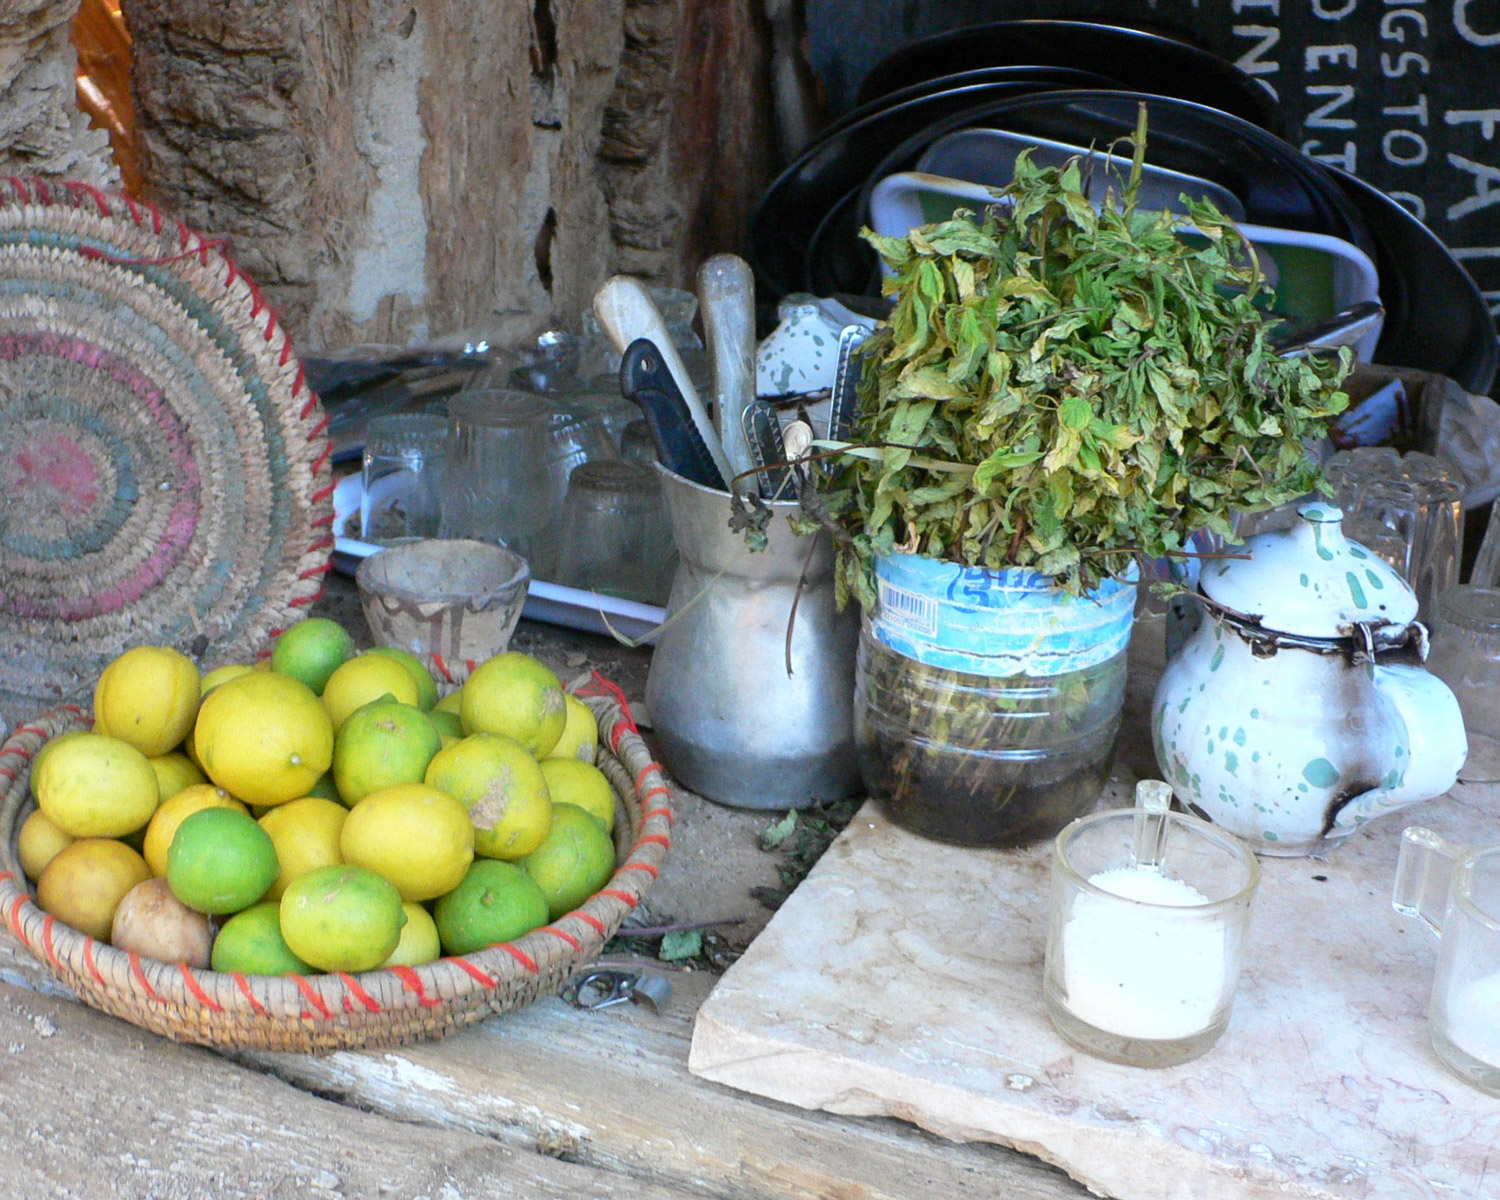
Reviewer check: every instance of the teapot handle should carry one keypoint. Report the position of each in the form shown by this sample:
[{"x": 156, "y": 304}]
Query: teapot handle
[
  {"x": 1425, "y": 761},
  {"x": 1424, "y": 872}
]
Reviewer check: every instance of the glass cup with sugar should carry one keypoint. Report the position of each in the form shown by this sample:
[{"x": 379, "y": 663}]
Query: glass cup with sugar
[
  {"x": 1144, "y": 951},
  {"x": 1456, "y": 892}
]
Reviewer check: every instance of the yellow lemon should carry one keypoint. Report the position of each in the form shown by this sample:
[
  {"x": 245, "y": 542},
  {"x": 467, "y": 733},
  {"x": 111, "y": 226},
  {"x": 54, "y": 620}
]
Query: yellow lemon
[
  {"x": 419, "y": 939},
  {"x": 572, "y": 782},
  {"x": 580, "y": 735},
  {"x": 39, "y": 842},
  {"x": 264, "y": 737},
  {"x": 85, "y": 883},
  {"x": 342, "y": 918},
  {"x": 503, "y": 789},
  {"x": 306, "y": 836},
  {"x": 96, "y": 786},
  {"x": 221, "y": 675},
  {"x": 174, "y": 812},
  {"x": 416, "y": 836},
  {"x": 515, "y": 695},
  {"x": 175, "y": 772},
  {"x": 48, "y": 747},
  {"x": 453, "y": 702},
  {"x": 149, "y": 698},
  {"x": 366, "y": 678}
]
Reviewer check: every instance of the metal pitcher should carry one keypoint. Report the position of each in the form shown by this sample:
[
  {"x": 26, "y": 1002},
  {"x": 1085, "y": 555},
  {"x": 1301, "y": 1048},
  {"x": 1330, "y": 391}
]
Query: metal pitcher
[{"x": 734, "y": 725}]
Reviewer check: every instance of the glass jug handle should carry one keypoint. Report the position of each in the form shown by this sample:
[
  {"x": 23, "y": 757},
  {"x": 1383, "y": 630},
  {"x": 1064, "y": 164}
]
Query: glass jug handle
[{"x": 1423, "y": 872}]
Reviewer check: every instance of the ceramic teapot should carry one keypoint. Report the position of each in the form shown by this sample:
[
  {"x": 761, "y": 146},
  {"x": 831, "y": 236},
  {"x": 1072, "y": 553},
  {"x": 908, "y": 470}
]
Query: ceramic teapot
[{"x": 1299, "y": 708}]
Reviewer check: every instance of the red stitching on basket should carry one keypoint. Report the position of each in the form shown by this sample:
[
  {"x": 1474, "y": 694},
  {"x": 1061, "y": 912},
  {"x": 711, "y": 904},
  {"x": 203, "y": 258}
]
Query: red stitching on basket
[
  {"x": 658, "y": 812},
  {"x": 135, "y": 213},
  {"x": 567, "y": 937},
  {"x": 309, "y": 408},
  {"x": 299, "y": 383},
  {"x": 412, "y": 982},
  {"x": 659, "y": 789},
  {"x": 244, "y": 985},
  {"x": 36, "y": 729},
  {"x": 16, "y": 183},
  {"x": 140, "y": 975},
  {"x": 315, "y": 432},
  {"x": 441, "y": 664},
  {"x": 7, "y": 875},
  {"x": 644, "y": 771},
  {"x": 624, "y": 898},
  {"x": 659, "y": 839},
  {"x": 647, "y": 867},
  {"x": 311, "y": 994},
  {"x": 520, "y": 956},
  {"x": 199, "y": 994},
  {"x": 8, "y": 774},
  {"x": 47, "y": 943},
  {"x": 360, "y": 994},
  {"x": 327, "y": 448},
  {"x": 299, "y": 601},
  {"x": 589, "y": 919},
  {"x": 88, "y": 961},
  {"x": 41, "y": 190},
  {"x": 15, "y": 914},
  {"x": 323, "y": 493},
  {"x": 482, "y": 977}
]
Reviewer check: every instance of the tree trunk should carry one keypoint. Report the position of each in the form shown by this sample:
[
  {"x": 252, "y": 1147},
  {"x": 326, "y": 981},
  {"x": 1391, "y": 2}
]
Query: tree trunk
[
  {"x": 42, "y": 132},
  {"x": 392, "y": 170}
]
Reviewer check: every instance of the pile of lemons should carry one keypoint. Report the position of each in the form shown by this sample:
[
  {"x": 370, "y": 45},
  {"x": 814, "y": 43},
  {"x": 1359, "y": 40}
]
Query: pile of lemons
[{"x": 323, "y": 811}]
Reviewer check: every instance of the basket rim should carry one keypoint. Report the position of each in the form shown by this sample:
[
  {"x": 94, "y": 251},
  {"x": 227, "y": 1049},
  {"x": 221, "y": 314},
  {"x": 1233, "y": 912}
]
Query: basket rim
[{"x": 328, "y": 998}]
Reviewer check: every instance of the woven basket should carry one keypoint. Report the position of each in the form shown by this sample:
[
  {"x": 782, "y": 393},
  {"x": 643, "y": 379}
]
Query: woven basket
[
  {"x": 164, "y": 468},
  {"x": 320, "y": 1013}
]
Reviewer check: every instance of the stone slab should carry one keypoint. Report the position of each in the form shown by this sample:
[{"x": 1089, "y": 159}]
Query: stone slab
[{"x": 904, "y": 978}]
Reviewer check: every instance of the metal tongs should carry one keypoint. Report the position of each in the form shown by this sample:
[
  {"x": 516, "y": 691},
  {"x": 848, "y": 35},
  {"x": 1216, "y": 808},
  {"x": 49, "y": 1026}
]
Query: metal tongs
[{"x": 605, "y": 986}]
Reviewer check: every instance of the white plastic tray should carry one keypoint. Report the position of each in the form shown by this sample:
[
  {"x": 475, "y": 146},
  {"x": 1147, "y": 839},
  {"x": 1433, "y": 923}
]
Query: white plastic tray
[{"x": 572, "y": 608}]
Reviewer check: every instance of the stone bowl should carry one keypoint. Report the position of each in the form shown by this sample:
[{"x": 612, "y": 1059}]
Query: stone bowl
[{"x": 453, "y": 598}]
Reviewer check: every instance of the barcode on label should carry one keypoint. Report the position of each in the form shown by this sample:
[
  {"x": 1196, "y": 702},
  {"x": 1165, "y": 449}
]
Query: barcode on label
[{"x": 907, "y": 609}]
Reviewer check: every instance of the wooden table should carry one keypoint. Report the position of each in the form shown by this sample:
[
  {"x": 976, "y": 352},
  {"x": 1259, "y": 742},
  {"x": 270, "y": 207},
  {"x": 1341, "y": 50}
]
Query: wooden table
[{"x": 547, "y": 1102}]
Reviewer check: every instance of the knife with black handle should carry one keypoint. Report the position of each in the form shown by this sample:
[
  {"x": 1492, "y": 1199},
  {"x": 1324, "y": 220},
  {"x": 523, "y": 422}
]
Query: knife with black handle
[{"x": 646, "y": 381}]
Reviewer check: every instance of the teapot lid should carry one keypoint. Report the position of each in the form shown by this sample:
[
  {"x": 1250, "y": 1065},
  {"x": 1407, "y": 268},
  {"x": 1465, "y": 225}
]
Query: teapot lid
[{"x": 1310, "y": 581}]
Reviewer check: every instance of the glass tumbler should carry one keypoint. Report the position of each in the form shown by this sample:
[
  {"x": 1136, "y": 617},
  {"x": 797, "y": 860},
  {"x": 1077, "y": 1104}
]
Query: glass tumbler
[
  {"x": 1142, "y": 963},
  {"x": 1456, "y": 891},
  {"x": 403, "y": 468},
  {"x": 506, "y": 476},
  {"x": 615, "y": 536},
  {"x": 1465, "y": 655}
]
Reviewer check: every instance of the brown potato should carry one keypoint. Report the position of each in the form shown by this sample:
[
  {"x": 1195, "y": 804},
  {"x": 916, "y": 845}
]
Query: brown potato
[{"x": 155, "y": 924}]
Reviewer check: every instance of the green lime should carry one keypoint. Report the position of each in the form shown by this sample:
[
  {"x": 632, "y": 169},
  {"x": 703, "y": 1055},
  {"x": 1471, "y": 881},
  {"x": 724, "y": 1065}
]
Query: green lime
[
  {"x": 325, "y": 787},
  {"x": 574, "y": 861},
  {"x": 572, "y": 782},
  {"x": 496, "y": 902},
  {"x": 221, "y": 861},
  {"x": 311, "y": 651},
  {"x": 419, "y": 939},
  {"x": 427, "y": 696},
  {"x": 342, "y": 918},
  {"x": 251, "y": 943},
  {"x": 380, "y": 745}
]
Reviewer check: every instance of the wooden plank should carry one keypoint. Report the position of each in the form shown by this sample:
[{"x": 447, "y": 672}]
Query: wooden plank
[
  {"x": 611, "y": 1089},
  {"x": 92, "y": 1107}
]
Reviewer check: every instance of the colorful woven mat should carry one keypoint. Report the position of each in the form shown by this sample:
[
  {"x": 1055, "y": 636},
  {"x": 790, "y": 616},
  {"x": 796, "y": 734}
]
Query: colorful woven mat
[{"x": 164, "y": 469}]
